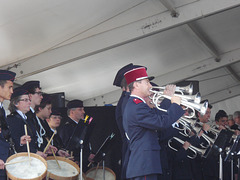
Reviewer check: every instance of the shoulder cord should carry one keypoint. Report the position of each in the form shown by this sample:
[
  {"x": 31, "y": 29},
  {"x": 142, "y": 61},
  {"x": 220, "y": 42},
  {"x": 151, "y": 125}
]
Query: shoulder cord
[{"x": 41, "y": 131}]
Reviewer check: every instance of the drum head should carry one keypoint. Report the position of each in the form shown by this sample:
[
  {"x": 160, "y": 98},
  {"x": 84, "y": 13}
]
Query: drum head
[
  {"x": 97, "y": 174},
  {"x": 68, "y": 169},
  {"x": 34, "y": 170}
]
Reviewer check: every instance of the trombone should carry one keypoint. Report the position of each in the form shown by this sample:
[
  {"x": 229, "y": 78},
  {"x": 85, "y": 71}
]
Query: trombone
[{"x": 194, "y": 149}]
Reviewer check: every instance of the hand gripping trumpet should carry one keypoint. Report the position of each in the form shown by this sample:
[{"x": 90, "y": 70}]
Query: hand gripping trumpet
[
  {"x": 194, "y": 149},
  {"x": 189, "y": 101},
  {"x": 186, "y": 89},
  {"x": 212, "y": 129},
  {"x": 209, "y": 140}
]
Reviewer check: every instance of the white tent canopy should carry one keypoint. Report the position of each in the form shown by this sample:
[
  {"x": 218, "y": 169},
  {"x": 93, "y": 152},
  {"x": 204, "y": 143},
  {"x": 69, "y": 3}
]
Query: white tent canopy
[{"x": 77, "y": 47}]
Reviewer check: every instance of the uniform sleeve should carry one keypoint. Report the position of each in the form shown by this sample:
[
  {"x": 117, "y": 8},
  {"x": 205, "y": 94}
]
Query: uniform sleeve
[
  {"x": 65, "y": 134},
  {"x": 15, "y": 127},
  {"x": 152, "y": 119}
]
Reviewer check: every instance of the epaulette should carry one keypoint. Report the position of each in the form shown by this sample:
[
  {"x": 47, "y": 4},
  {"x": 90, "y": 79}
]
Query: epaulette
[{"x": 137, "y": 101}]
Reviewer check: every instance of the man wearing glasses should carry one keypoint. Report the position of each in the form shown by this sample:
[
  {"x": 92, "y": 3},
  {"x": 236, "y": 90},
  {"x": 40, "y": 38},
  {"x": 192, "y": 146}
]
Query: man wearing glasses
[{"x": 35, "y": 95}]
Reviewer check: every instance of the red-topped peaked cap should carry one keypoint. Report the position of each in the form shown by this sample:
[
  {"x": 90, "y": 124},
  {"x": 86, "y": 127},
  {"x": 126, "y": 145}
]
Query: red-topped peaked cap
[{"x": 136, "y": 75}]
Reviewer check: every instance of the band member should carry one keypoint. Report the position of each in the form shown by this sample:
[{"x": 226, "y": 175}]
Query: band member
[
  {"x": 120, "y": 81},
  {"x": 6, "y": 143},
  {"x": 35, "y": 95},
  {"x": 141, "y": 122},
  {"x": 75, "y": 130},
  {"x": 211, "y": 163},
  {"x": 236, "y": 118},
  {"x": 18, "y": 107},
  {"x": 43, "y": 112},
  {"x": 164, "y": 134},
  {"x": 54, "y": 122},
  {"x": 197, "y": 162}
]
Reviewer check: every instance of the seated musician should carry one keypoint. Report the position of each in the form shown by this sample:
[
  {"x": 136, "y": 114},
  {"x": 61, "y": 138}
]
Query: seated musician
[
  {"x": 19, "y": 106},
  {"x": 54, "y": 122},
  {"x": 35, "y": 95},
  {"x": 43, "y": 112},
  {"x": 75, "y": 130}
]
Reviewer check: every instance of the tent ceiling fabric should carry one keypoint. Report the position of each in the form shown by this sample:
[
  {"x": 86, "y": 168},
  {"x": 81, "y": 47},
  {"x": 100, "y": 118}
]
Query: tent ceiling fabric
[{"x": 77, "y": 47}]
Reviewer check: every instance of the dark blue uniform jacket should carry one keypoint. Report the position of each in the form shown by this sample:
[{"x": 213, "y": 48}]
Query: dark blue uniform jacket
[{"x": 141, "y": 123}]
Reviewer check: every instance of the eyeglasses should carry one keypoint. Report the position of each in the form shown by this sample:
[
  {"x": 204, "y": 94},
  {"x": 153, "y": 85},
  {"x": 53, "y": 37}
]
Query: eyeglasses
[
  {"x": 39, "y": 93},
  {"x": 25, "y": 100}
]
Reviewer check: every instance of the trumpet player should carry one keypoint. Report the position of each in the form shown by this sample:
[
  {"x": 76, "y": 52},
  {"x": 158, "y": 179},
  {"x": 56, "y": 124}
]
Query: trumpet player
[
  {"x": 141, "y": 122},
  {"x": 164, "y": 135},
  {"x": 211, "y": 163},
  {"x": 180, "y": 159},
  {"x": 120, "y": 81},
  {"x": 198, "y": 161}
]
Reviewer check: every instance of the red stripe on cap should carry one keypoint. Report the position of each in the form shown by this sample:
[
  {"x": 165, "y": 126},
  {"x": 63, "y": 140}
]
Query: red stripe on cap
[{"x": 136, "y": 74}]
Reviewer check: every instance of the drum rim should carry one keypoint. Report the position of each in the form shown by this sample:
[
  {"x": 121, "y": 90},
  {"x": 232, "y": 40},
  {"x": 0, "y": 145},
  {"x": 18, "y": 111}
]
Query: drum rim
[
  {"x": 26, "y": 154},
  {"x": 54, "y": 176},
  {"x": 100, "y": 167}
]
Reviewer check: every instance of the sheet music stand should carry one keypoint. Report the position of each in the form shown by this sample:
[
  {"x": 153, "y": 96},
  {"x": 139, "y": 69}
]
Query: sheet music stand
[
  {"x": 233, "y": 152},
  {"x": 101, "y": 152},
  {"x": 220, "y": 143},
  {"x": 219, "y": 147}
]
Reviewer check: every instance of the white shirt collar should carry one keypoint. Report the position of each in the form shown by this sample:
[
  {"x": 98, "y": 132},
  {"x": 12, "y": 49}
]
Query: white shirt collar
[
  {"x": 53, "y": 130},
  {"x": 32, "y": 109},
  {"x": 21, "y": 114},
  {"x": 138, "y": 98},
  {"x": 1, "y": 104},
  {"x": 73, "y": 120}
]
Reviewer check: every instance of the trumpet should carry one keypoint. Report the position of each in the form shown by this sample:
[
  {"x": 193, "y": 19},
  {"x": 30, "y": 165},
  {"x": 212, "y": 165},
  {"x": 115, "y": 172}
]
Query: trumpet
[
  {"x": 234, "y": 136},
  {"x": 187, "y": 126},
  {"x": 209, "y": 140},
  {"x": 212, "y": 129},
  {"x": 194, "y": 149},
  {"x": 202, "y": 108},
  {"x": 185, "y": 89}
]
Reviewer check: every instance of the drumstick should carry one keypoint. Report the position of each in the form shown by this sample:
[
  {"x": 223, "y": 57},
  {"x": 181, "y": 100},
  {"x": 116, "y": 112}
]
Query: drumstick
[
  {"x": 49, "y": 142},
  {"x": 14, "y": 162},
  {"x": 28, "y": 149},
  {"x": 56, "y": 159},
  {"x": 96, "y": 171},
  {"x": 54, "y": 156}
]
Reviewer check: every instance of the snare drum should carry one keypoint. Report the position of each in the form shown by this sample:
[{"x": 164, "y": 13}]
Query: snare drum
[
  {"x": 97, "y": 174},
  {"x": 36, "y": 169},
  {"x": 69, "y": 170}
]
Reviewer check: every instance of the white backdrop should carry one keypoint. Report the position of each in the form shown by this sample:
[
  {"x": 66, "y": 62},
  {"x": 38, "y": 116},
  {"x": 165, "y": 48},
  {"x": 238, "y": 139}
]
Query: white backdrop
[{"x": 230, "y": 106}]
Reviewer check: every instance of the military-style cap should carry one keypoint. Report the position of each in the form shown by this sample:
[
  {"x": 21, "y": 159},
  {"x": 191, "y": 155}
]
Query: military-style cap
[
  {"x": 137, "y": 74},
  {"x": 120, "y": 74},
  {"x": 30, "y": 84},
  {"x": 56, "y": 111},
  {"x": 7, "y": 75},
  {"x": 74, "y": 104},
  {"x": 19, "y": 91},
  {"x": 46, "y": 98}
]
